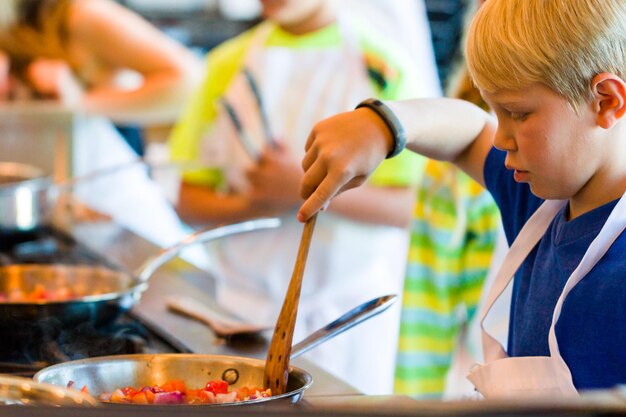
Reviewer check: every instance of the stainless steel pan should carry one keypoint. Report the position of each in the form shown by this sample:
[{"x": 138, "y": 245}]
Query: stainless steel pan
[
  {"x": 103, "y": 293},
  {"x": 107, "y": 373}
]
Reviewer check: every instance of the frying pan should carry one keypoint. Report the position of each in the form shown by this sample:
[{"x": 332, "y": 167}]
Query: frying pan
[
  {"x": 107, "y": 373},
  {"x": 104, "y": 293}
]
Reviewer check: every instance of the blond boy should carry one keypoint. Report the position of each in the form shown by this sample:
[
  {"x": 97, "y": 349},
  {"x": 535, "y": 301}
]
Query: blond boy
[{"x": 555, "y": 162}]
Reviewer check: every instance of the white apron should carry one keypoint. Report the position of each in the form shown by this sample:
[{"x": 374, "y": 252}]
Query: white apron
[
  {"x": 129, "y": 196},
  {"x": 349, "y": 262},
  {"x": 537, "y": 376}
]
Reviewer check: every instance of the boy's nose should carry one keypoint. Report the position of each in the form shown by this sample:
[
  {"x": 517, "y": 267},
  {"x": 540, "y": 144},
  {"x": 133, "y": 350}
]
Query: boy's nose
[{"x": 504, "y": 140}]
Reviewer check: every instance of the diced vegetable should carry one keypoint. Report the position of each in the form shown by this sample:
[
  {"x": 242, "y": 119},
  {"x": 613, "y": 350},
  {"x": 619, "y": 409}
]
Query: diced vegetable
[{"x": 176, "y": 392}]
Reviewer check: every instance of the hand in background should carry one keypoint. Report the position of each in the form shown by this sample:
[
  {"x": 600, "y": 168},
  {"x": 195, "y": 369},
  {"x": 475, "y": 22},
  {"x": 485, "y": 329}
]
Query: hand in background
[
  {"x": 54, "y": 79},
  {"x": 5, "y": 80},
  {"x": 275, "y": 180}
]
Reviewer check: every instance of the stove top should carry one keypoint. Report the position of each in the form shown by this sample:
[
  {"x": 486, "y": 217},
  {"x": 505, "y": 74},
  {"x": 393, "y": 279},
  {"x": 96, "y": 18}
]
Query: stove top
[{"x": 47, "y": 341}]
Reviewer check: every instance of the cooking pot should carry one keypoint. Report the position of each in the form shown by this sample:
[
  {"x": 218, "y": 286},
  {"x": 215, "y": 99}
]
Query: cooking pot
[
  {"x": 24, "y": 200},
  {"x": 104, "y": 293},
  {"x": 108, "y": 373},
  {"x": 28, "y": 196}
]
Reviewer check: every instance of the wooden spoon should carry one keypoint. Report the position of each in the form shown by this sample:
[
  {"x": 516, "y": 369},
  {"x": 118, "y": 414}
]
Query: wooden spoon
[{"x": 277, "y": 363}]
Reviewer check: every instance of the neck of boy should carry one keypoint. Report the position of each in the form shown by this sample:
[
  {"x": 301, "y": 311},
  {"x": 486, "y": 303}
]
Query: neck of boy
[
  {"x": 612, "y": 189},
  {"x": 321, "y": 18}
]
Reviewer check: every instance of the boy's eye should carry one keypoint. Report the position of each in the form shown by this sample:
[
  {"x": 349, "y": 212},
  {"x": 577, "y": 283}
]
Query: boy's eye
[{"x": 519, "y": 115}]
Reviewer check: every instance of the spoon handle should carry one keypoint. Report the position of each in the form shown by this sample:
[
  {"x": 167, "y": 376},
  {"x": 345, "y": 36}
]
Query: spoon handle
[{"x": 277, "y": 363}]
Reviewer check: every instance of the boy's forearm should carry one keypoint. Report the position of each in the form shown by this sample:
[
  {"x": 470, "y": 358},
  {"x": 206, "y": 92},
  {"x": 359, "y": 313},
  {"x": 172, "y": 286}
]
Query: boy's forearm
[
  {"x": 202, "y": 206},
  {"x": 447, "y": 129}
]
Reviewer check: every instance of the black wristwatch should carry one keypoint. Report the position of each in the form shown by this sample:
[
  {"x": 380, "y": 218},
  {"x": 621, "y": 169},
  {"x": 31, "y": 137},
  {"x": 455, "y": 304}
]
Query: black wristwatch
[{"x": 392, "y": 122}]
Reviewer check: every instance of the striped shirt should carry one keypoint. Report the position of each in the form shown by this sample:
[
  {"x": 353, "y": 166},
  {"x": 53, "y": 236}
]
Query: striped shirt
[{"x": 453, "y": 234}]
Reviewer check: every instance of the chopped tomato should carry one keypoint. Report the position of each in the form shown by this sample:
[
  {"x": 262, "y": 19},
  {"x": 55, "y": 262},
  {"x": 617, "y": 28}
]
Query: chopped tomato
[
  {"x": 217, "y": 387},
  {"x": 176, "y": 392},
  {"x": 174, "y": 385},
  {"x": 139, "y": 398}
]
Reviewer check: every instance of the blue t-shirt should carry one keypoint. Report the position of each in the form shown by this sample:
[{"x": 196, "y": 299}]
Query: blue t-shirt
[{"x": 591, "y": 331}]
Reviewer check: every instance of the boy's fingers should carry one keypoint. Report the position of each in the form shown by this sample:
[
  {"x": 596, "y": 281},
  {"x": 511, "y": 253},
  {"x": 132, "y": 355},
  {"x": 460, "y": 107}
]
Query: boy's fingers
[
  {"x": 312, "y": 178},
  {"x": 309, "y": 158},
  {"x": 319, "y": 198}
]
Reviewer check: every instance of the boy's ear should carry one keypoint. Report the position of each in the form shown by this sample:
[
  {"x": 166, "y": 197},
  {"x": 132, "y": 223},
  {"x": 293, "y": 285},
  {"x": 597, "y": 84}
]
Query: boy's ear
[{"x": 609, "y": 91}]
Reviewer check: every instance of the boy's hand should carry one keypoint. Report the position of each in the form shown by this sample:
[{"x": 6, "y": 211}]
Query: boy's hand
[{"x": 341, "y": 152}]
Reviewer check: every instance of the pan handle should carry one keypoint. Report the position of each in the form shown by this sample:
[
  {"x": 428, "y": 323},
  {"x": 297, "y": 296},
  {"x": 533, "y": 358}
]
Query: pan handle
[
  {"x": 353, "y": 317},
  {"x": 153, "y": 263}
]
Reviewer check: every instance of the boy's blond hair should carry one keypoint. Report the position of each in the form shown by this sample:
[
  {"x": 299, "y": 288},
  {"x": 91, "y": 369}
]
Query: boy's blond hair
[{"x": 560, "y": 43}]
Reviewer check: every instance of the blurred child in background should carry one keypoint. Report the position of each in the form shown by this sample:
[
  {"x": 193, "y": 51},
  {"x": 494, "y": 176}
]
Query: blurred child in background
[{"x": 308, "y": 59}]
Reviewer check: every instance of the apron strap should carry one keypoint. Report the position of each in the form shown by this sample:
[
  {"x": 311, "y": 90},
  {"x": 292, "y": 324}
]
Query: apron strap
[{"x": 526, "y": 240}]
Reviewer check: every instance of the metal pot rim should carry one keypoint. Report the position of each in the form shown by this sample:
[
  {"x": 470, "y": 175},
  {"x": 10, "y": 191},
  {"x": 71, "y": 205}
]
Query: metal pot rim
[{"x": 186, "y": 356}]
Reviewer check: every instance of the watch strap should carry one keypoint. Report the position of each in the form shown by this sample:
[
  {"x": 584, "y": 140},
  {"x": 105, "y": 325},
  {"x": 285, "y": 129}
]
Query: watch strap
[{"x": 391, "y": 120}]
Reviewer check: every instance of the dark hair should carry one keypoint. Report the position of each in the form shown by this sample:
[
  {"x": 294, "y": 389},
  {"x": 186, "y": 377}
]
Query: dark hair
[
  {"x": 43, "y": 19},
  {"x": 33, "y": 12}
]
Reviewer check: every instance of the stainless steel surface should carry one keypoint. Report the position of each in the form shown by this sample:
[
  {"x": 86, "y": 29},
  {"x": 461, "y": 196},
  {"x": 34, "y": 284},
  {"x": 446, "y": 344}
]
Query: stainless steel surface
[
  {"x": 24, "y": 391},
  {"x": 24, "y": 200},
  {"x": 347, "y": 321},
  {"x": 106, "y": 374}
]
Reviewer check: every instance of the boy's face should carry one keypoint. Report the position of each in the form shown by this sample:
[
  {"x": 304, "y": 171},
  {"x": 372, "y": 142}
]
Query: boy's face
[
  {"x": 548, "y": 145},
  {"x": 290, "y": 11}
]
